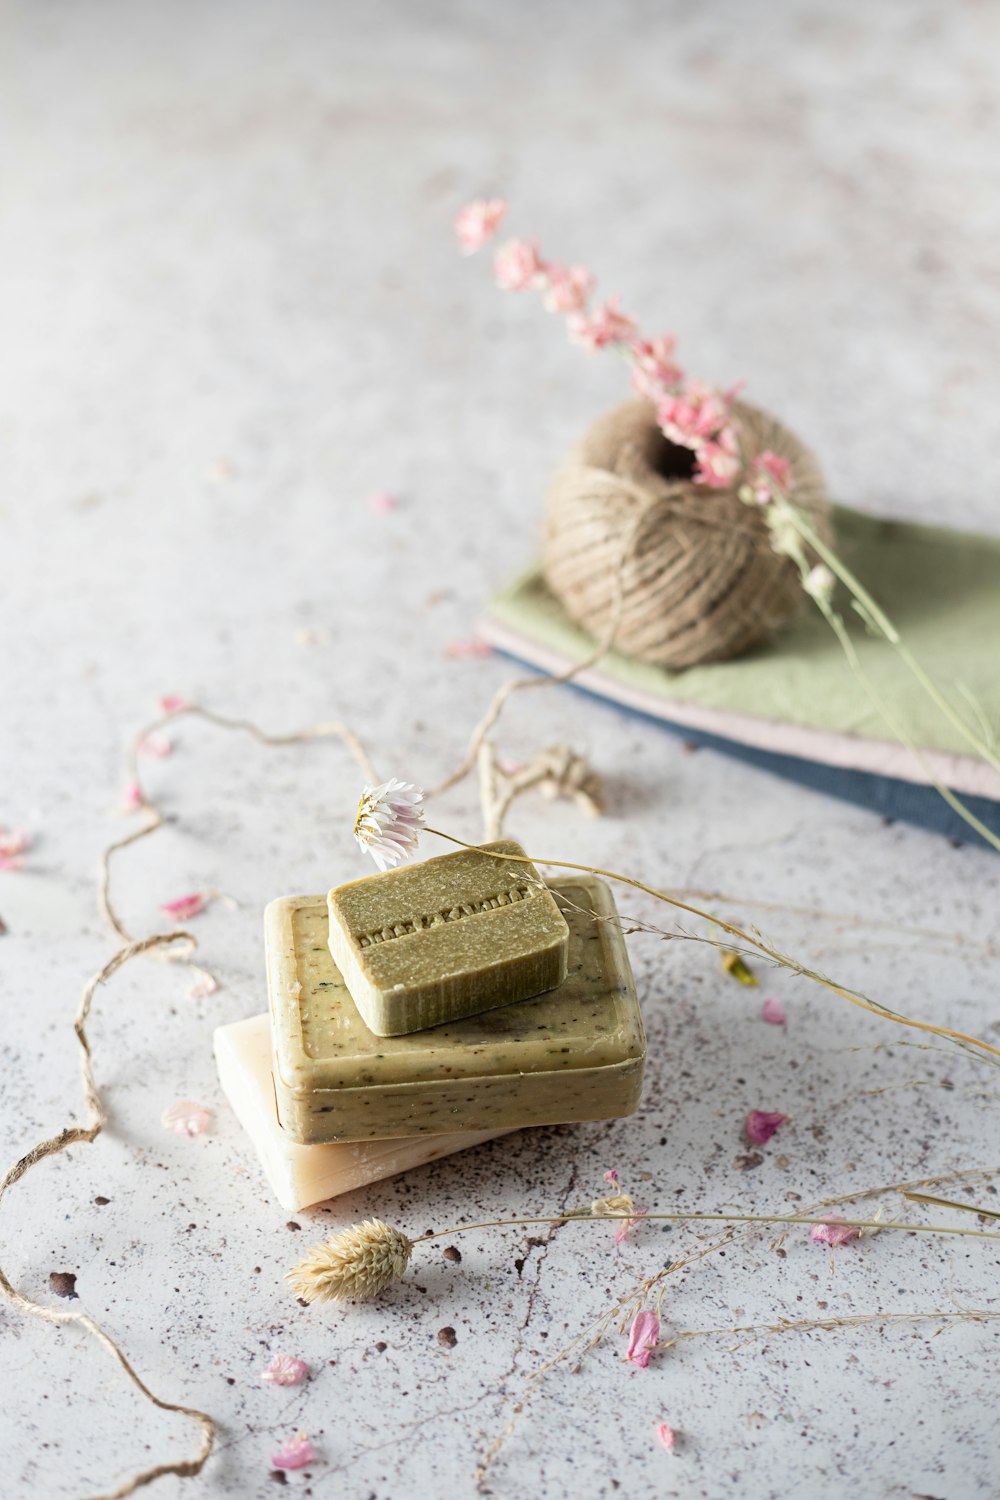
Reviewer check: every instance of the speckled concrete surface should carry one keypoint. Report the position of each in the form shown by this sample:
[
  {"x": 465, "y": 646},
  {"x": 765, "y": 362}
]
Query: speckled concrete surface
[{"x": 231, "y": 311}]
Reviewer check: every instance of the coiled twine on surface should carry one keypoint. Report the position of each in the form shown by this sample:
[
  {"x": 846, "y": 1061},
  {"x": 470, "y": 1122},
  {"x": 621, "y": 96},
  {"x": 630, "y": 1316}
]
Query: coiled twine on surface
[{"x": 698, "y": 577}]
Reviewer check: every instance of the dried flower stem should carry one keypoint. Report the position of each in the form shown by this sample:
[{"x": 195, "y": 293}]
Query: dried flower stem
[
  {"x": 755, "y": 942},
  {"x": 681, "y": 1217}
]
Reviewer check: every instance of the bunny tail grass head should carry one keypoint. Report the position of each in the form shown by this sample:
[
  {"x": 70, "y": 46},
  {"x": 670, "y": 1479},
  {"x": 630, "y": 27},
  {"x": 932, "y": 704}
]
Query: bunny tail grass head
[{"x": 354, "y": 1266}]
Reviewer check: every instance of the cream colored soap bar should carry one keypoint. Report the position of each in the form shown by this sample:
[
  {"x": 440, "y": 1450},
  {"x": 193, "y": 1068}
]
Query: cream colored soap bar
[
  {"x": 447, "y": 938},
  {"x": 303, "y": 1175},
  {"x": 574, "y": 1053}
]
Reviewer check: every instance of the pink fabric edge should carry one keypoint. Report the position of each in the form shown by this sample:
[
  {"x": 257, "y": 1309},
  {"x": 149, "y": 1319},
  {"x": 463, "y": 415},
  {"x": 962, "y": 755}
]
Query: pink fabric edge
[{"x": 961, "y": 773}]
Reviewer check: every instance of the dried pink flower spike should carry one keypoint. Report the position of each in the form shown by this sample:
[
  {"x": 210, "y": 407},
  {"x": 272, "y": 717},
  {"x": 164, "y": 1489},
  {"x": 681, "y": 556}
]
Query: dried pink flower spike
[
  {"x": 834, "y": 1232},
  {"x": 294, "y": 1453},
  {"x": 186, "y": 1118},
  {"x": 773, "y": 1012},
  {"x": 643, "y": 1338},
  {"x": 761, "y": 1124},
  {"x": 478, "y": 222},
  {"x": 285, "y": 1369},
  {"x": 667, "y": 1436},
  {"x": 184, "y": 907}
]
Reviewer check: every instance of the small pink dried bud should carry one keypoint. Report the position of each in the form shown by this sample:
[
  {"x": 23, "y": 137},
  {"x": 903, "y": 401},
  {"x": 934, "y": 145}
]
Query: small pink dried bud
[
  {"x": 834, "y": 1232},
  {"x": 607, "y": 324},
  {"x": 172, "y": 703},
  {"x": 769, "y": 473},
  {"x": 611, "y": 1175},
  {"x": 186, "y": 1118},
  {"x": 294, "y": 1453},
  {"x": 285, "y": 1369},
  {"x": 568, "y": 288},
  {"x": 667, "y": 1436},
  {"x": 518, "y": 266},
  {"x": 478, "y": 222},
  {"x": 773, "y": 1012},
  {"x": 761, "y": 1124},
  {"x": 643, "y": 1338}
]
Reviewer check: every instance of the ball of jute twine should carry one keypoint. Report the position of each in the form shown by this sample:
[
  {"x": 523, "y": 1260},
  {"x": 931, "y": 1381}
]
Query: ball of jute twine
[{"x": 691, "y": 570}]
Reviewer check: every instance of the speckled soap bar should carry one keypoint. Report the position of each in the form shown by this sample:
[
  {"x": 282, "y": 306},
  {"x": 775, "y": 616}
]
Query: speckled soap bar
[
  {"x": 446, "y": 938},
  {"x": 573, "y": 1053},
  {"x": 303, "y": 1175}
]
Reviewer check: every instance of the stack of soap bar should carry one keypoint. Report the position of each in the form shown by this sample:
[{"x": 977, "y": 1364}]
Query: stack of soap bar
[
  {"x": 303, "y": 1175},
  {"x": 447, "y": 938},
  {"x": 573, "y": 1053}
]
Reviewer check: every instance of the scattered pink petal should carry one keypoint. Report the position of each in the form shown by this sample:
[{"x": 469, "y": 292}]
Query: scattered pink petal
[
  {"x": 518, "y": 266},
  {"x": 294, "y": 1453},
  {"x": 13, "y": 843},
  {"x": 206, "y": 985},
  {"x": 132, "y": 798},
  {"x": 186, "y": 1118},
  {"x": 627, "y": 1225},
  {"x": 382, "y": 502},
  {"x": 667, "y": 1436},
  {"x": 157, "y": 746},
  {"x": 184, "y": 907},
  {"x": 478, "y": 222},
  {"x": 285, "y": 1369},
  {"x": 611, "y": 1175},
  {"x": 172, "y": 703},
  {"x": 773, "y": 1012},
  {"x": 643, "y": 1338},
  {"x": 468, "y": 650},
  {"x": 834, "y": 1232},
  {"x": 761, "y": 1124}
]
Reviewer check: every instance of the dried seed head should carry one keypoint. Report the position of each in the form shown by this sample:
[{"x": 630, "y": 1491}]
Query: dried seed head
[{"x": 355, "y": 1265}]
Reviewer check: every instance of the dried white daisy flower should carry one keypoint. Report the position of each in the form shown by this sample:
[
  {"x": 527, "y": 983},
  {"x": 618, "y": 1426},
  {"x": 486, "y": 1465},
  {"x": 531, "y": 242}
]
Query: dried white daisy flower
[
  {"x": 355, "y": 1265},
  {"x": 388, "y": 821}
]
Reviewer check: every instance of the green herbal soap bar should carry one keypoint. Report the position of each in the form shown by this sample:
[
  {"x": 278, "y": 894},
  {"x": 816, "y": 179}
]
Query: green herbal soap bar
[
  {"x": 446, "y": 938},
  {"x": 574, "y": 1053}
]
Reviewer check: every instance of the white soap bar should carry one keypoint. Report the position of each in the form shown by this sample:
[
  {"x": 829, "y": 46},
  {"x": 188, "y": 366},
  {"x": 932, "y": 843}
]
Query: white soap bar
[{"x": 304, "y": 1175}]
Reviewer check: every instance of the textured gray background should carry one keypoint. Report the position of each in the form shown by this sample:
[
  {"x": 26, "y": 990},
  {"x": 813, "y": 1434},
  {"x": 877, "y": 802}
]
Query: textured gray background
[{"x": 231, "y": 309}]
